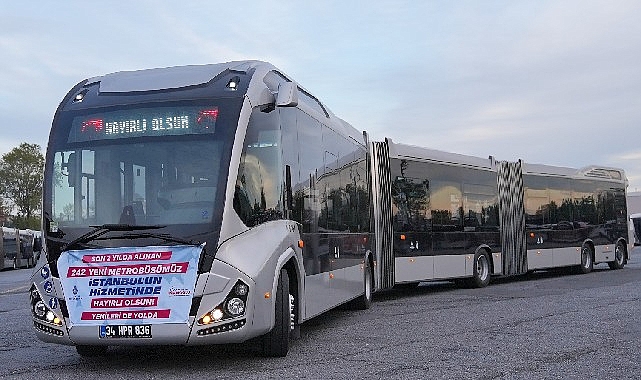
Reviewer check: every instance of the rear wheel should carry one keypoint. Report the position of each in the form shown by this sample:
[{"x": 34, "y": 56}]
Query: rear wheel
[
  {"x": 619, "y": 257},
  {"x": 587, "y": 264},
  {"x": 481, "y": 270},
  {"x": 276, "y": 342},
  {"x": 91, "y": 351},
  {"x": 364, "y": 301}
]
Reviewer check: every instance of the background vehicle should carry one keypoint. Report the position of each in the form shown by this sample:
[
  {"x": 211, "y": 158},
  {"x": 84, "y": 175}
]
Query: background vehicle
[
  {"x": 20, "y": 248},
  {"x": 636, "y": 223}
]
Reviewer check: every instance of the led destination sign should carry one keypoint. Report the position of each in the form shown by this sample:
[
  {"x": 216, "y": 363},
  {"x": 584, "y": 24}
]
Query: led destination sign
[{"x": 144, "y": 122}]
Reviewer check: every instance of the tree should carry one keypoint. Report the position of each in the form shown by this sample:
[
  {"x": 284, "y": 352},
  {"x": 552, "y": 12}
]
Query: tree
[
  {"x": 21, "y": 172},
  {"x": 4, "y": 211}
]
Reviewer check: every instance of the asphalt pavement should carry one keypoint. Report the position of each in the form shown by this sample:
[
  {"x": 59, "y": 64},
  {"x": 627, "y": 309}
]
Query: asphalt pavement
[{"x": 547, "y": 325}]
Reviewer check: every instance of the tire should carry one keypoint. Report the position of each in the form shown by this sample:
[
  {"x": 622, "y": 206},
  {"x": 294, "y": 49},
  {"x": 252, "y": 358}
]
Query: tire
[
  {"x": 91, "y": 351},
  {"x": 364, "y": 301},
  {"x": 587, "y": 263},
  {"x": 619, "y": 257},
  {"x": 481, "y": 270},
  {"x": 276, "y": 342}
]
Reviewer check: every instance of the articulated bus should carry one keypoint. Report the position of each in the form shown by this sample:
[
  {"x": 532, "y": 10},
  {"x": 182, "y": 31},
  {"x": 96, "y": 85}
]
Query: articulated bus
[
  {"x": 449, "y": 216},
  {"x": 225, "y": 203}
]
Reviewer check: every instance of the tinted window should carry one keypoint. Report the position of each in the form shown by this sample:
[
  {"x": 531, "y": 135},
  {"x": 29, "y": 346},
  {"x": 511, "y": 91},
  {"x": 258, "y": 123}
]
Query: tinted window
[
  {"x": 306, "y": 191},
  {"x": 258, "y": 195}
]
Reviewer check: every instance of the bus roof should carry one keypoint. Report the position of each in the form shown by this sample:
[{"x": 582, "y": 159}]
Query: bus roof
[
  {"x": 164, "y": 78},
  {"x": 419, "y": 153},
  {"x": 178, "y": 77}
]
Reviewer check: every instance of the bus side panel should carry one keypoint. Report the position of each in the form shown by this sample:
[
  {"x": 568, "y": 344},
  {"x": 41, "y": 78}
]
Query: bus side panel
[
  {"x": 453, "y": 266},
  {"x": 318, "y": 294},
  {"x": 442, "y": 214},
  {"x": 604, "y": 253},
  {"x": 567, "y": 256},
  {"x": 540, "y": 258},
  {"x": 256, "y": 253},
  {"x": 412, "y": 269}
]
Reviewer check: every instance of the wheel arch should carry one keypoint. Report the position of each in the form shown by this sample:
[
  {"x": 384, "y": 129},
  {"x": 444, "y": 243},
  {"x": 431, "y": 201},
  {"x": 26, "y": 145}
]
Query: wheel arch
[{"x": 295, "y": 284}]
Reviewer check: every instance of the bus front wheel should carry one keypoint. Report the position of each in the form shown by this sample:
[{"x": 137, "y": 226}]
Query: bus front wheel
[{"x": 276, "y": 342}]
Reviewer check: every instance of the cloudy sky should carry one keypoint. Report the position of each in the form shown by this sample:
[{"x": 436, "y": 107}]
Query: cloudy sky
[{"x": 553, "y": 82}]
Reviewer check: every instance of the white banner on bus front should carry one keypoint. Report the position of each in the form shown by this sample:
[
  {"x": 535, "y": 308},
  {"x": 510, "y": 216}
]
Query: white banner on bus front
[{"x": 128, "y": 286}]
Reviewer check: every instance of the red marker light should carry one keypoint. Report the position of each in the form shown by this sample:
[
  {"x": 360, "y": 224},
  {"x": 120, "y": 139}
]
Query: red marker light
[
  {"x": 96, "y": 124},
  {"x": 207, "y": 115}
]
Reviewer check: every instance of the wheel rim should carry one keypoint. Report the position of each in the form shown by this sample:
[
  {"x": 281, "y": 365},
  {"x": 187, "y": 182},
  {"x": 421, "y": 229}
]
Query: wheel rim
[
  {"x": 368, "y": 284},
  {"x": 482, "y": 267},
  {"x": 618, "y": 254},
  {"x": 292, "y": 315},
  {"x": 586, "y": 257}
]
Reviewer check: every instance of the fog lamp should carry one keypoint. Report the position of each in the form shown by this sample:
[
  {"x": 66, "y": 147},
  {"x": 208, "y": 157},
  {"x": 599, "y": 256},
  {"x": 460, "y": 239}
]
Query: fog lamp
[{"x": 241, "y": 289}]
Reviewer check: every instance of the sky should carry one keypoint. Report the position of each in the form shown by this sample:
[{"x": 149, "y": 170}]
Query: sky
[{"x": 549, "y": 82}]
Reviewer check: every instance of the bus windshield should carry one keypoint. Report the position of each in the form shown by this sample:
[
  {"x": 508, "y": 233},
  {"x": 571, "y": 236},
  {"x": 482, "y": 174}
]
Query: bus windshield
[
  {"x": 151, "y": 183},
  {"x": 161, "y": 165}
]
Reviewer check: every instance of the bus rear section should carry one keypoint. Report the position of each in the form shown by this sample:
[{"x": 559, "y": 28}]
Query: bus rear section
[{"x": 463, "y": 218}]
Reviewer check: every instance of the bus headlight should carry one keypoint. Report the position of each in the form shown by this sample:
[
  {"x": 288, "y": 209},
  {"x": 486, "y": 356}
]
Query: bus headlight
[
  {"x": 235, "y": 307},
  {"x": 40, "y": 310}
]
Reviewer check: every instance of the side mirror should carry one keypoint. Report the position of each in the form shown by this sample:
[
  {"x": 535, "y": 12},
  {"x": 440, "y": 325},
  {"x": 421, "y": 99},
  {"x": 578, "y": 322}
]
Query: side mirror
[{"x": 287, "y": 95}]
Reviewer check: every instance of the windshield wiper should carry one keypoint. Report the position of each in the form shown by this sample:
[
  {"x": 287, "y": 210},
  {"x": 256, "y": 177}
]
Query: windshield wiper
[
  {"x": 165, "y": 237},
  {"x": 98, "y": 231}
]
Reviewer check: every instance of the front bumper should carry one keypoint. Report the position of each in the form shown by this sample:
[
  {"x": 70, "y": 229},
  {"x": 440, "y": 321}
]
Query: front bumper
[{"x": 211, "y": 290}]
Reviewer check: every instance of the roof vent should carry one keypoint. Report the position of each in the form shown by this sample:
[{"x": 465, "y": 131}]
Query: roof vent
[{"x": 604, "y": 173}]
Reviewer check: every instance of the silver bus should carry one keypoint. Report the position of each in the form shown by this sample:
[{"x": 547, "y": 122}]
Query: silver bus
[
  {"x": 199, "y": 205},
  {"x": 225, "y": 203}
]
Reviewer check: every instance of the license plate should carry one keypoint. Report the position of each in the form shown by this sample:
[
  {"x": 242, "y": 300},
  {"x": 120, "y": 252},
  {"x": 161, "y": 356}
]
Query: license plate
[{"x": 125, "y": 331}]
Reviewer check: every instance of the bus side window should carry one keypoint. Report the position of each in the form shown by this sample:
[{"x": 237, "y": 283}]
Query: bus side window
[{"x": 259, "y": 182}]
